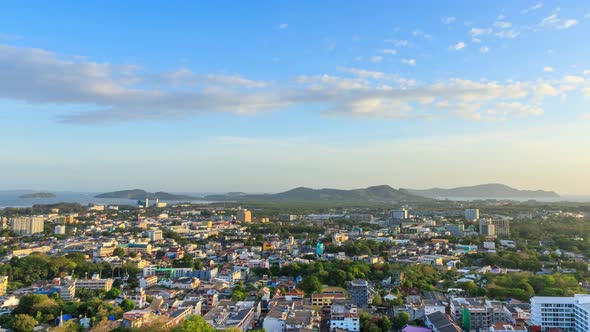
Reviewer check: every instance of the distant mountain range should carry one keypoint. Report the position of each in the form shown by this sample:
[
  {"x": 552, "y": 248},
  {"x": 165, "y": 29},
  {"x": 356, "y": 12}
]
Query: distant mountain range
[
  {"x": 142, "y": 194},
  {"x": 381, "y": 194},
  {"x": 378, "y": 194},
  {"x": 38, "y": 195},
  {"x": 492, "y": 190}
]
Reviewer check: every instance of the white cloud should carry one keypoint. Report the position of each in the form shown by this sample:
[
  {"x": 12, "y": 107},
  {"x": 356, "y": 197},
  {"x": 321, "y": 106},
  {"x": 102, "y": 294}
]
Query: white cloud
[
  {"x": 480, "y": 31},
  {"x": 458, "y": 46},
  {"x": 484, "y": 49},
  {"x": 554, "y": 22},
  {"x": 128, "y": 93},
  {"x": 283, "y": 26},
  {"x": 389, "y": 51},
  {"x": 376, "y": 58},
  {"x": 398, "y": 42},
  {"x": 572, "y": 79},
  {"x": 517, "y": 108},
  {"x": 568, "y": 23},
  {"x": 502, "y": 24},
  {"x": 410, "y": 62},
  {"x": 532, "y": 8},
  {"x": 586, "y": 72},
  {"x": 448, "y": 20},
  {"x": 507, "y": 34},
  {"x": 548, "y": 69},
  {"x": 420, "y": 33}
]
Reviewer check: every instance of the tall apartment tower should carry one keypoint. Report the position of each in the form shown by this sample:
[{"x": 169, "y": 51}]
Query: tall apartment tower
[
  {"x": 244, "y": 216},
  {"x": 398, "y": 215},
  {"x": 27, "y": 225},
  {"x": 472, "y": 214},
  {"x": 359, "y": 291},
  {"x": 487, "y": 228},
  {"x": 502, "y": 226},
  {"x": 569, "y": 314}
]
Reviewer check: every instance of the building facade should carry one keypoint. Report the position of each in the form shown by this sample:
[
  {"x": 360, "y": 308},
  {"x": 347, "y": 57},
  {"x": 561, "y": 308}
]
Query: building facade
[
  {"x": 27, "y": 225},
  {"x": 359, "y": 291}
]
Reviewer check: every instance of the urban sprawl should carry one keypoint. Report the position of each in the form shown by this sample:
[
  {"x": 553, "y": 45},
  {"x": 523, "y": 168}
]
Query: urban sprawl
[{"x": 459, "y": 266}]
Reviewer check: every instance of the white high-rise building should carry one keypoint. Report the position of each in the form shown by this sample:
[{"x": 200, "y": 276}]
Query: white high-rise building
[
  {"x": 472, "y": 214},
  {"x": 155, "y": 235},
  {"x": 399, "y": 214},
  {"x": 60, "y": 229},
  {"x": 27, "y": 225},
  {"x": 570, "y": 314}
]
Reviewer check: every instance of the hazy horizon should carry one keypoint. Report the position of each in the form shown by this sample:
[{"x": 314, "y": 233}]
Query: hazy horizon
[{"x": 264, "y": 97}]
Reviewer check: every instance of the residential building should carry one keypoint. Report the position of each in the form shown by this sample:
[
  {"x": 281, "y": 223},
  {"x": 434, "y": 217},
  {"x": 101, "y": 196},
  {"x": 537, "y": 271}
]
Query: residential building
[
  {"x": 3, "y": 285},
  {"x": 359, "y": 291},
  {"x": 487, "y": 228},
  {"x": 325, "y": 299},
  {"x": 288, "y": 316},
  {"x": 155, "y": 235},
  {"x": 238, "y": 315},
  {"x": 94, "y": 283},
  {"x": 440, "y": 322},
  {"x": 344, "y": 316},
  {"x": 502, "y": 226},
  {"x": 398, "y": 215},
  {"x": 67, "y": 290},
  {"x": 27, "y": 225},
  {"x": 60, "y": 229},
  {"x": 471, "y": 214},
  {"x": 143, "y": 248},
  {"x": 244, "y": 216},
  {"x": 570, "y": 314},
  {"x": 507, "y": 327}
]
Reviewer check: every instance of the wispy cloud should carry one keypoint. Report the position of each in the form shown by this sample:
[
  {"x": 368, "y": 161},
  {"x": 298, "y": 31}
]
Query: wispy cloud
[
  {"x": 448, "y": 20},
  {"x": 534, "y": 7},
  {"x": 376, "y": 58},
  {"x": 398, "y": 42},
  {"x": 389, "y": 51},
  {"x": 548, "y": 69},
  {"x": 420, "y": 33},
  {"x": 553, "y": 21},
  {"x": 410, "y": 62},
  {"x": 458, "y": 46},
  {"x": 128, "y": 93},
  {"x": 283, "y": 26},
  {"x": 484, "y": 49},
  {"x": 502, "y": 24}
]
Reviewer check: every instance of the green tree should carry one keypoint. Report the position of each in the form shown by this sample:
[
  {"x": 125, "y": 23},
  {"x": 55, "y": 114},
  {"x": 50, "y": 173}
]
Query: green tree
[
  {"x": 113, "y": 293},
  {"x": 377, "y": 300},
  {"x": 401, "y": 320},
  {"x": 194, "y": 323},
  {"x": 127, "y": 305},
  {"x": 120, "y": 252},
  {"x": 310, "y": 284},
  {"x": 24, "y": 323}
]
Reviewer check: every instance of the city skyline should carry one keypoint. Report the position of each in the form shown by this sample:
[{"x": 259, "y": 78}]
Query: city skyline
[{"x": 266, "y": 97}]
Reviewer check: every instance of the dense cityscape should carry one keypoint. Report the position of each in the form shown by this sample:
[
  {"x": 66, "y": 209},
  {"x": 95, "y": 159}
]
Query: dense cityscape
[
  {"x": 486, "y": 265},
  {"x": 294, "y": 166}
]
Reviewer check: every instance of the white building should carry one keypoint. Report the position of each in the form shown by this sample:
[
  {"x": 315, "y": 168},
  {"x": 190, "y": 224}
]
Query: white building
[
  {"x": 570, "y": 314},
  {"x": 344, "y": 316},
  {"x": 155, "y": 235},
  {"x": 27, "y": 225},
  {"x": 60, "y": 229},
  {"x": 472, "y": 214},
  {"x": 399, "y": 214}
]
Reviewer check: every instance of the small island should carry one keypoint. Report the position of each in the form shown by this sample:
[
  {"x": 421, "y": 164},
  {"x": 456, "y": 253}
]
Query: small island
[
  {"x": 142, "y": 194},
  {"x": 38, "y": 195}
]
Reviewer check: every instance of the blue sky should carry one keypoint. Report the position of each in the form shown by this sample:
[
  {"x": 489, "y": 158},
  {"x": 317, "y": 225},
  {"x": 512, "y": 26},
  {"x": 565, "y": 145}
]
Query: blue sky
[{"x": 265, "y": 96}]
